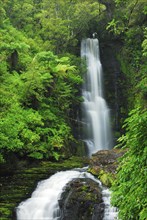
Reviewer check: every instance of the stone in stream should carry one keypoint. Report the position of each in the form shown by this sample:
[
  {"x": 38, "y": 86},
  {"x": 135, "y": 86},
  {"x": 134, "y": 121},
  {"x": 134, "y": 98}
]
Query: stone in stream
[{"x": 82, "y": 199}]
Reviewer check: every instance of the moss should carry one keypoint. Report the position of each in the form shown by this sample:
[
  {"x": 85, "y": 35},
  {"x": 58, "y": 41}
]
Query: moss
[
  {"x": 80, "y": 199},
  {"x": 94, "y": 170},
  {"x": 18, "y": 186},
  {"x": 5, "y": 211},
  {"x": 106, "y": 178},
  {"x": 84, "y": 188}
]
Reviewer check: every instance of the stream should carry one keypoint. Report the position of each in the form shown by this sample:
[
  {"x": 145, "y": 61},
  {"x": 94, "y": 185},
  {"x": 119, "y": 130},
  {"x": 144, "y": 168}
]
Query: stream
[{"x": 43, "y": 204}]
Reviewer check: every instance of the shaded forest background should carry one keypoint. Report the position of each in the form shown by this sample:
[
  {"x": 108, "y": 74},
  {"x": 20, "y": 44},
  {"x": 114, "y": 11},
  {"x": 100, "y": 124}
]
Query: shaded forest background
[{"x": 41, "y": 78}]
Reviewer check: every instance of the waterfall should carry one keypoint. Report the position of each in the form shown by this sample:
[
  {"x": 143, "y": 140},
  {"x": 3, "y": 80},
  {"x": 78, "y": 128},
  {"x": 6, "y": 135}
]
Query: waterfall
[
  {"x": 43, "y": 204},
  {"x": 95, "y": 118}
]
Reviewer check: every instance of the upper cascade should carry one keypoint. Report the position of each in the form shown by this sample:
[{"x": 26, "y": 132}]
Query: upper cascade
[{"x": 96, "y": 117}]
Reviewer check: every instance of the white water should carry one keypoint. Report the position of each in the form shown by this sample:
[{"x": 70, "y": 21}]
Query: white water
[
  {"x": 43, "y": 204},
  {"x": 111, "y": 213},
  {"x": 96, "y": 119}
]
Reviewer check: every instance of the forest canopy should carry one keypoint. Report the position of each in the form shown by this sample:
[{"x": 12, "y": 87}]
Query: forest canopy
[{"x": 40, "y": 74}]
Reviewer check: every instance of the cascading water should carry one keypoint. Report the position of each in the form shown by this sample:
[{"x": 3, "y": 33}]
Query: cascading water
[
  {"x": 96, "y": 120},
  {"x": 43, "y": 205}
]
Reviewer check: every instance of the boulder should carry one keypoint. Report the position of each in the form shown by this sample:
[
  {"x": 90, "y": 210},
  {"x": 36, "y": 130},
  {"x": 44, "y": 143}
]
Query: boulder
[
  {"x": 82, "y": 199},
  {"x": 104, "y": 163}
]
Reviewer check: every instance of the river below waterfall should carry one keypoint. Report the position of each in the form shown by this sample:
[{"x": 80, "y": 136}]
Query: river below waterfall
[{"x": 43, "y": 204}]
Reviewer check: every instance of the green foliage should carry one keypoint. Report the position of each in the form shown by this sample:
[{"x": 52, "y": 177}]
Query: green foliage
[
  {"x": 144, "y": 43},
  {"x": 36, "y": 105},
  {"x": 115, "y": 26},
  {"x": 57, "y": 25},
  {"x": 128, "y": 24},
  {"x": 38, "y": 92},
  {"x": 129, "y": 193},
  {"x": 127, "y": 15}
]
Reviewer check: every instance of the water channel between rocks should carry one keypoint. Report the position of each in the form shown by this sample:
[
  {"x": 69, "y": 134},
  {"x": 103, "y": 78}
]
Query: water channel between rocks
[{"x": 44, "y": 202}]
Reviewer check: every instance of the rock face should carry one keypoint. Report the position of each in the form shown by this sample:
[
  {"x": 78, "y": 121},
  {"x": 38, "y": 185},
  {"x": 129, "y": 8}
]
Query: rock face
[
  {"x": 104, "y": 163},
  {"x": 114, "y": 80},
  {"x": 82, "y": 199}
]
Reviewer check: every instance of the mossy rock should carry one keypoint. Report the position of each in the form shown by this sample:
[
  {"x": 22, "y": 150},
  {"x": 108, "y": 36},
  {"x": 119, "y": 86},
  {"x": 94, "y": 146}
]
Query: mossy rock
[
  {"x": 103, "y": 165},
  {"x": 106, "y": 178},
  {"x": 17, "y": 184},
  {"x": 82, "y": 199}
]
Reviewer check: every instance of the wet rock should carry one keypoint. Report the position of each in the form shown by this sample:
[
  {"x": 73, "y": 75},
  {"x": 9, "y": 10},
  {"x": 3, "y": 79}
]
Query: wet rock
[
  {"x": 104, "y": 163},
  {"x": 18, "y": 181},
  {"x": 82, "y": 199}
]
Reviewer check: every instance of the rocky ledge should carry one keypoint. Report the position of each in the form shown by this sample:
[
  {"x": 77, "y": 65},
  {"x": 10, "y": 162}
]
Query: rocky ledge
[
  {"x": 82, "y": 199},
  {"x": 104, "y": 163}
]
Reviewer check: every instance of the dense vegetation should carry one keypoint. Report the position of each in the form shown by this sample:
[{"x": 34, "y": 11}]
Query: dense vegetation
[
  {"x": 129, "y": 191},
  {"x": 37, "y": 94},
  {"x": 41, "y": 77}
]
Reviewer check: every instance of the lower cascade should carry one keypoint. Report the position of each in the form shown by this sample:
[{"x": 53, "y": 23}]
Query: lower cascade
[
  {"x": 95, "y": 117},
  {"x": 43, "y": 204}
]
